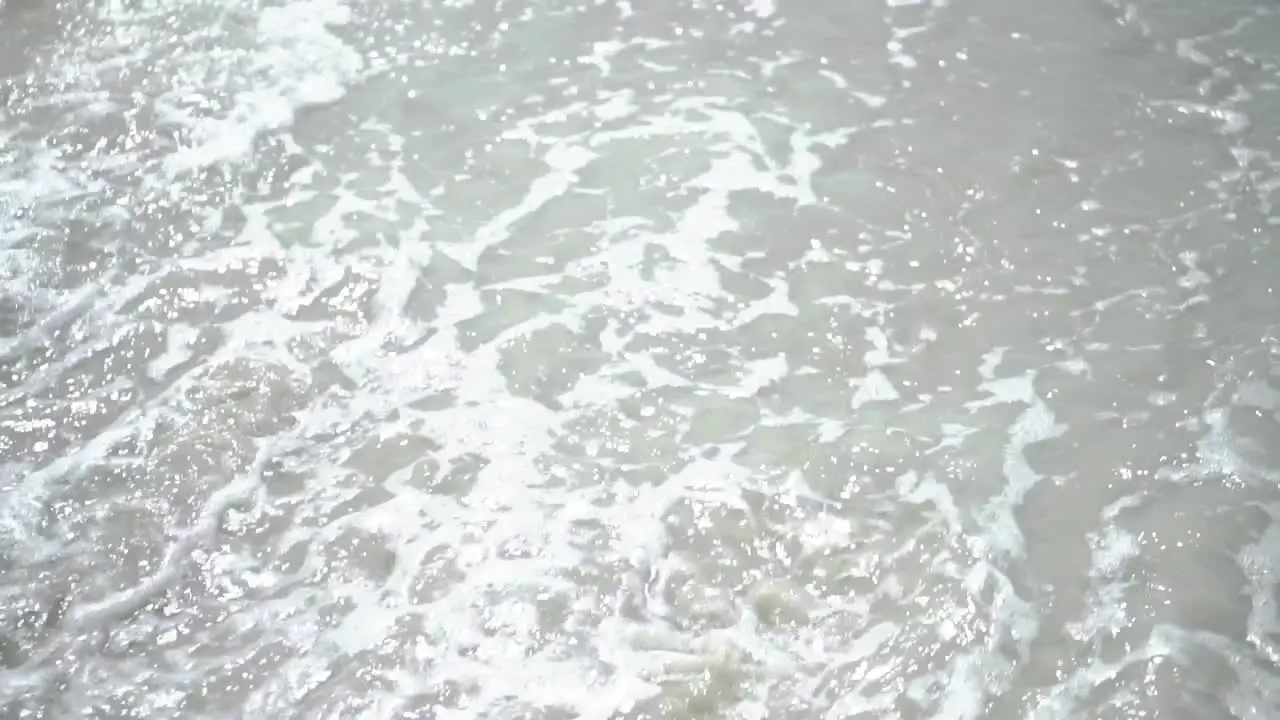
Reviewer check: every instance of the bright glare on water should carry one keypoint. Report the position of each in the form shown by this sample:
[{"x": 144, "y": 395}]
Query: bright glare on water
[{"x": 903, "y": 359}]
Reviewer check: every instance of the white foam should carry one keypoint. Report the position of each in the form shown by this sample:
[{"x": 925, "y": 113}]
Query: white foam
[
  {"x": 875, "y": 387},
  {"x": 587, "y": 482},
  {"x": 295, "y": 64}
]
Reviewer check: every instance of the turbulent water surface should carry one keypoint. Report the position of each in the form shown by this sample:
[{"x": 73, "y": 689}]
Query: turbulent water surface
[{"x": 621, "y": 360}]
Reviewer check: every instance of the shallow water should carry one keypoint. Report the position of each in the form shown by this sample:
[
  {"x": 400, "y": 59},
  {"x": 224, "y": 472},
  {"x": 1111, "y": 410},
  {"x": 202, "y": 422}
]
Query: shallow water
[{"x": 636, "y": 360}]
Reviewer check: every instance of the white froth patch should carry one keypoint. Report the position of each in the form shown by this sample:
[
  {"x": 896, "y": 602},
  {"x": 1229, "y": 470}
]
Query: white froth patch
[
  {"x": 875, "y": 387},
  {"x": 600, "y": 54},
  {"x": 565, "y": 160},
  {"x": 777, "y": 302},
  {"x": 760, "y": 374},
  {"x": 297, "y": 64},
  {"x": 178, "y": 342},
  {"x": 1036, "y": 423}
]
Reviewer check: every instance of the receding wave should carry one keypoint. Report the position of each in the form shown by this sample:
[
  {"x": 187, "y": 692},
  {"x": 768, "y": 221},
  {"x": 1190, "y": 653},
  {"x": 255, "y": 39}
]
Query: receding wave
[{"x": 620, "y": 360}]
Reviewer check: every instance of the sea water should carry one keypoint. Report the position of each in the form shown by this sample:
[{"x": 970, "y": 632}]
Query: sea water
[{"x": 401, "y": 359}]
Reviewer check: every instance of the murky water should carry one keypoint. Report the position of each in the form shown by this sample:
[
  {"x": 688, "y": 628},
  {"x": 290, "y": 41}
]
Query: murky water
[{"x": 389, "y": 359}]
